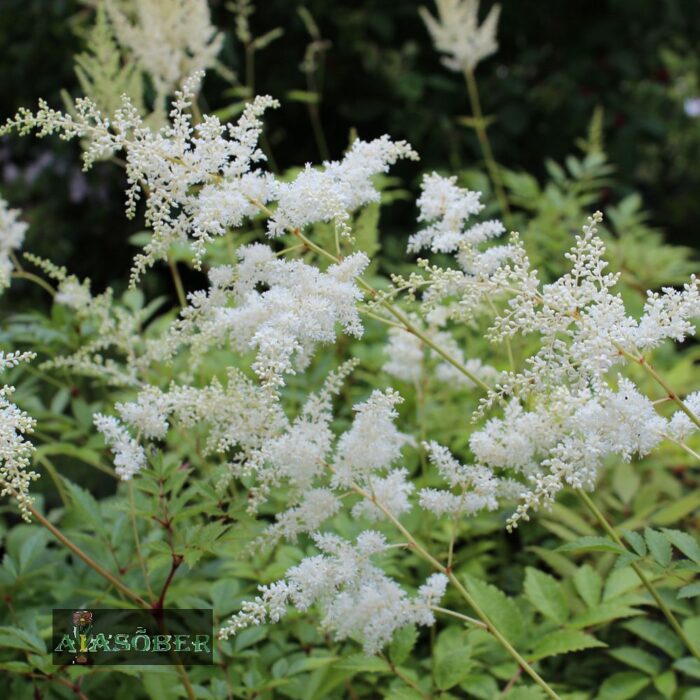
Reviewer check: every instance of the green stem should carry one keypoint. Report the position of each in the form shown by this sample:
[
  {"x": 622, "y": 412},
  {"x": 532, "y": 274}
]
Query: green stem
[
  {"x": 179, "y": 288},
  {"x": 480, "y": 128},
  {"x": 88, "y": 560},
  {"x": 598, "y": 515},
  {"x": 31, "y": 277}
]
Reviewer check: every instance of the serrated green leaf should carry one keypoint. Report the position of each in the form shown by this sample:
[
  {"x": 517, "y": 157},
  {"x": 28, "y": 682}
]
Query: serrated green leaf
[
  {"x": 637, "y": 658},
  {"x": 592, "y": 544},
  {"x": 688, "y": 665},
  {"x": 623, "y": 686},
  {"x": 563, "y": 642},
  {"x": 589, "y": 585},
  {"x": 546, "y": 595},
  {"x": 637, "y": 542},
  {"x": 603, "y": 612},
  {"x": 657, "y": 634},
  {"x": 451, "y": 664},
  {"x": 502, "y": 610},
  {"x": 659, "y": 547},
  {"x": 402, "y": 643},
  {"x": 692, "y": 590},
  {"x": 685, "y": 543}
]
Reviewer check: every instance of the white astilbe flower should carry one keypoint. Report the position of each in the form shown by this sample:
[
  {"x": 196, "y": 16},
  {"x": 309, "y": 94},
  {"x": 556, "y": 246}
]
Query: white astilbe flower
[
  {"x": 12, "y": 232},
  {"x": 199, "y": 179},
  {"x": 680, "y": 427},
  {"x": 148, "y": 414},
  {"x": 74, "y": 294},
  {"x": 300, "y": 308},
  {"x": 15, "y": 450},
  {"x": 445, "y": 207},
  {"x": 391, "y": 491},
  {"x": 565, "y": 439},
  {"x": 405, "y": 353},
  {"x": 372, "y": 443},
  {"x": 129, "y": 456},
  {"x": 478, "y": 488},
  {"x": 170, "y": 39},
  {"x": 358, "y": 600},
  {"x": 457, "y": 34},
  {"x": 316, "y": 506},
  {"x": 339, "y": 188}
]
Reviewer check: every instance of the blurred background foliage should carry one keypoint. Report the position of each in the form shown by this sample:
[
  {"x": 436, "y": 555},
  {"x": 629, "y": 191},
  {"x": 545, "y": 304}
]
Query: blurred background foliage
[{"x": 369, "y": 67}]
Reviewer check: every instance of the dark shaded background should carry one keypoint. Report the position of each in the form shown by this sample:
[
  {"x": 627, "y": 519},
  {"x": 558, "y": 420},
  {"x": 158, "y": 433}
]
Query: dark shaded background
[{"x": 557, "y": 61}]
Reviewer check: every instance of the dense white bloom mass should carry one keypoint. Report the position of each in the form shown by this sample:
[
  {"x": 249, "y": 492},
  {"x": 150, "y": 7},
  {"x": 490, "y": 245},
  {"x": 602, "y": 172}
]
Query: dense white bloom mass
[
  {"x": 170, "y": 39},
  {"x": 336, "y": 190},
  {"x": 15, "y": 450},
  {"x": 357, "y": 598},
  {"x": 457, "y": 34},
  {"x": 12, "y": 232}
]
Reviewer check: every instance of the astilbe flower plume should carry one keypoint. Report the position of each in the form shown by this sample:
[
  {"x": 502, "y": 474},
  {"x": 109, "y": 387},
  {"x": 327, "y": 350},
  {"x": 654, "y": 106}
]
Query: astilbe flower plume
[
  {"x": 15, "y": 449},
  {"x": 12, "y": 232},
  {"x": 457, "y": 34}
]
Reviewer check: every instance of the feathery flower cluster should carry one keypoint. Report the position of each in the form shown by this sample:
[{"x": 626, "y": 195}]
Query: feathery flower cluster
[
  {"x": 129, "y": 456},
  {"x": 170, "y": 39},
  {"x": 12, "y": 232},
  {"x": 198, "y": 178},
  {"x": 577, "y": 419},
  {"x": 332, "y": 193},
  {"x": 299, "y": 308},
  {"x": 15, "y": 450},
  {"x": 566, "y": 438},
  {"x": 457, "y": 34},
  {"x": 357, "y": 598},
  {"x": 406, "y": 354},
  {"x": 478, "y": 487}
]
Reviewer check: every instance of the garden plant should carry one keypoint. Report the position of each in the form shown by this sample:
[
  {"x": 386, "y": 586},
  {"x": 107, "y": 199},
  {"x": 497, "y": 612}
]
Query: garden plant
[{"x": 466, "y": 469}]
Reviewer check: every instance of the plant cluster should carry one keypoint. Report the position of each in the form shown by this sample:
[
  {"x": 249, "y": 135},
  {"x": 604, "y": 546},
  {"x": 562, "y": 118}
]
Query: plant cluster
[{"x": 332, "y": 457}]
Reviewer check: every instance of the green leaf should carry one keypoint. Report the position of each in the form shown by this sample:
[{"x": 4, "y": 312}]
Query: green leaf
[
  {"x": 452, "y": 664},
  {"x": 657, "y": 634},
  {"x": 531, "y": 693},
  {"x": 546, "y": 595},
  {"x": 622, "y": 686},
  {"x": 502, "y": 610},
  {"x": 603, "y": 612},
  {"x": 690, "y": 591},
  {"x": 637, "y": 542},
  {"x": 625, "y": 481},
  {"x": 563, "y": 642},
  {"x": 688, "y": 665},
  {"x": 677, "y": 510},
  {"x": 86, "y": 507},
  {"x": 666, "y": 684},
  {"x": 15, "y": 638},
  {"x": 589, "y": 585},
  {"x": 659, "y": 547},
  {"x": 685, "y": 543},
  {"x": 637, "y": 658},
  {"x": 359, "y": 663},
  {"x": 592, "y": 544},
  {"x": 480, "y": 685},
  {"x": 402, "y": 643}
]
